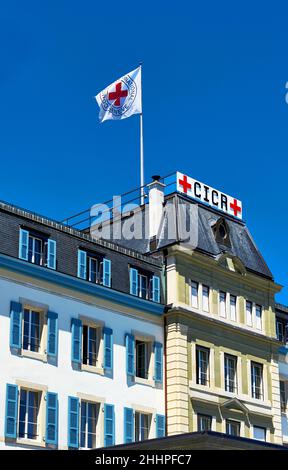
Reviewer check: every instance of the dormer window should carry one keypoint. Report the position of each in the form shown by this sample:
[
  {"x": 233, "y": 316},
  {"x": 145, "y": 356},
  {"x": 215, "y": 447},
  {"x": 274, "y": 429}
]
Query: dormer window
[
  {"x": 144, "y": 284},
  {"x": 221, "y": 232},
  {"x": 37, "y": 248},
  {"x": 94, "y": 268}
]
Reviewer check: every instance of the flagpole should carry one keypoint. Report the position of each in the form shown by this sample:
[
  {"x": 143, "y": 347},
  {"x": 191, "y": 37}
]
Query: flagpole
[{"x": 141, "y": 149}]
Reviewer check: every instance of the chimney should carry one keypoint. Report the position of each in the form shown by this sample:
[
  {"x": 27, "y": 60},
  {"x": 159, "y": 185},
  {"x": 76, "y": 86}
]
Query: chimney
[{"x": 156, "y": 200}]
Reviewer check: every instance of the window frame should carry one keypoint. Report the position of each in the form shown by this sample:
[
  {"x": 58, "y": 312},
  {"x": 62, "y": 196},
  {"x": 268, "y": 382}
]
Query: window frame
[
  {"x": 202, "y": 349},
  {"x": 221, "y": 313},
  {"x": 99, "y": 326},
  {"x": 255, "y": 387},
  {"x": 283, "y": 395},
  {"x": 194, "y": 285},
  {"x": 40, "y": 442},
  {"x": 137, "y": 418},
  {"x": 230, "y": 357},
  {"x": 207, "y": 288},
  {"x": 98, "y": 423},
  {"x": 255, "y": 322},
  {"x": 32, "y": 253},
  {"x": 232, "y": 296},
  {"x": 147, "y": 357},
  {"x": 263, "y": 429},
  {"x": 201, "y": 416},
  {"x": 258, "y": 319},
  {"x": 233, "y": 422},
  {"x": 43, "y": 312}
]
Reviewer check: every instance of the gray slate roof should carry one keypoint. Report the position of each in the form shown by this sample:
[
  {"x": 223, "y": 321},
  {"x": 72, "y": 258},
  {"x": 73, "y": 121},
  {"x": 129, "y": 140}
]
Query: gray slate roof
[{"x": 183, "y": 214}]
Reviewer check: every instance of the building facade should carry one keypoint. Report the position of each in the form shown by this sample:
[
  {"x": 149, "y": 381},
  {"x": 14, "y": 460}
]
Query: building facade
[
  {"x": 81, "y": 328},
  {"x": 222, "y": 372},
  {"x": 222, "y": 351}
]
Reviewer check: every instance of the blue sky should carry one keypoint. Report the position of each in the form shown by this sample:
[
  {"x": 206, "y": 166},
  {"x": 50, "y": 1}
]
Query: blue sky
[{"x": 214, "y": 107}]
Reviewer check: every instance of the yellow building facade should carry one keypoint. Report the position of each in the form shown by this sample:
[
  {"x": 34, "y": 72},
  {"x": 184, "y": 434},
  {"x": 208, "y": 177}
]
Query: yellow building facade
[{"x": 221, "y": 348}]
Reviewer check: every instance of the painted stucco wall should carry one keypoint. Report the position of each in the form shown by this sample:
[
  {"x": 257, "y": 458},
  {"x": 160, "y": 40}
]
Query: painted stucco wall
[
  {"x": 62, "y": 378},
  {"x": 188, "y": 327}
]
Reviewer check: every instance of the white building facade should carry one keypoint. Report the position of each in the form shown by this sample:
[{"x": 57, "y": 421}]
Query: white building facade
[{"x": 82, "y": 363}]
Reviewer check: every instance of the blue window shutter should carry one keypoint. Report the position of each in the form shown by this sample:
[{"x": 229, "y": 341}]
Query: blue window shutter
[
  {"x": 158, "y": 362},
  {"x": 11, "y": 411},
  {"x": 82, "y": 264},
  {"x": 52, "y": 335},
  {"x": 130, "y": 354},
  {"x": 51, "y": 254},
  {"x": 23, "y": 244},
  {"x": 128, "y": 425},
  {"x": 76, "y": 327},
  {"x": 15, "y": 325},
  {"x": 133, "y": 281},
  {"x": 73, "y": 422},
  {"x": 156, "y": 289},
  {"x": 51, "y": 418},
  {"x": 109, "y": 425},
  {"x": 106, "y": 272},
  {"x": 160, "y": 426},
  {"x": 108, "y": 348}
]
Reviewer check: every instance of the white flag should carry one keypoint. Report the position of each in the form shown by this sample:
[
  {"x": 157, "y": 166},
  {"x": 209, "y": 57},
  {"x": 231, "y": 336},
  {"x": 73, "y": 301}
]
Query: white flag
[{"x": 121, "y": 99}]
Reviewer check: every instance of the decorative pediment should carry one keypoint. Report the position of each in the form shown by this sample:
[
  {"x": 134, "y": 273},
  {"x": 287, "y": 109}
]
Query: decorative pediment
[
  {"x": 235, "y": 404},
  {"x": 231, "y": 263}
]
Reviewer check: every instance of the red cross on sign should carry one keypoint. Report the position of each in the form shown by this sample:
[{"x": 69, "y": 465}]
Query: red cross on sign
[
  {"x": 184, "y": 183},
  {"x": 235, "y": 207},
  {"x": 117, "y": 94}
]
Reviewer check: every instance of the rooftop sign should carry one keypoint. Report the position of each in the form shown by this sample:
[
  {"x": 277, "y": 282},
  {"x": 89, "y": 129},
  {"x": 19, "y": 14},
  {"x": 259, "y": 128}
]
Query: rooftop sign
[{"x": 209, "y": 196}]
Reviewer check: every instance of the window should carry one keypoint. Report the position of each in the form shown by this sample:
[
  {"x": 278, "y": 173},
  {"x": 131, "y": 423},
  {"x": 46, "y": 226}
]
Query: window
[
  {"x": 194, "y": 294},
  {"x": 144, "y": 284},
  {"x": 142, "y": 366},
  {"x": 230, "y": 366},
  {"x": 281, "y": 330},
  {"x": 259, "y": 433},
  {"x": 202, "y": 365},
  {"x": 256, "y": 380},
  {"x": 258, "y": 317},
  {"x": 143, "y": 287},
  {"x": 32, "y": 330},
  {"x": 89, "y": 419},
  {"x": 223, "y": 304},
  {"x": 142, "y": 425},
  {"x": 232, "y": 427},
  {"x": 91, "y": 342},
  {"x": 233, "y": 301},
  {"x": 249, "y": 313},
  {"x": 94, "y": 268},
  {"x": 29, "y": 407},
  {"x": 37, "y": 248},
  {"x": 283, "y": 396},
  {"x": 205, "y": 298},
  {"x": 204, "y": 422}
]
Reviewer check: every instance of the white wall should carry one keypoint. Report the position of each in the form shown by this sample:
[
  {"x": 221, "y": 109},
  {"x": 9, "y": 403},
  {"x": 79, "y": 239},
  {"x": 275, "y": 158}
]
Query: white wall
[{"x": 63, "y": 379}]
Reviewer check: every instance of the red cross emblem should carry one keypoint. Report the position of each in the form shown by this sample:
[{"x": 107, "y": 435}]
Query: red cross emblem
[
  {"x": 235, "y": 208},
  {"x": 184, "y": 183},
  {"x": 117, "y": 94}
]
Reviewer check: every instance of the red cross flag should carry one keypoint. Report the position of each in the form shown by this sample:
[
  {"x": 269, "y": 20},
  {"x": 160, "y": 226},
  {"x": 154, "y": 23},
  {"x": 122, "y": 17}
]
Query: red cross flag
[{"x": 122, "y": 98}]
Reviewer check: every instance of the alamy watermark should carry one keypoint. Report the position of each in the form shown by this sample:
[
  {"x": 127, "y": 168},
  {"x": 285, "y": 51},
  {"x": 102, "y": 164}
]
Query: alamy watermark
[{"x": 174, "y": 220}]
